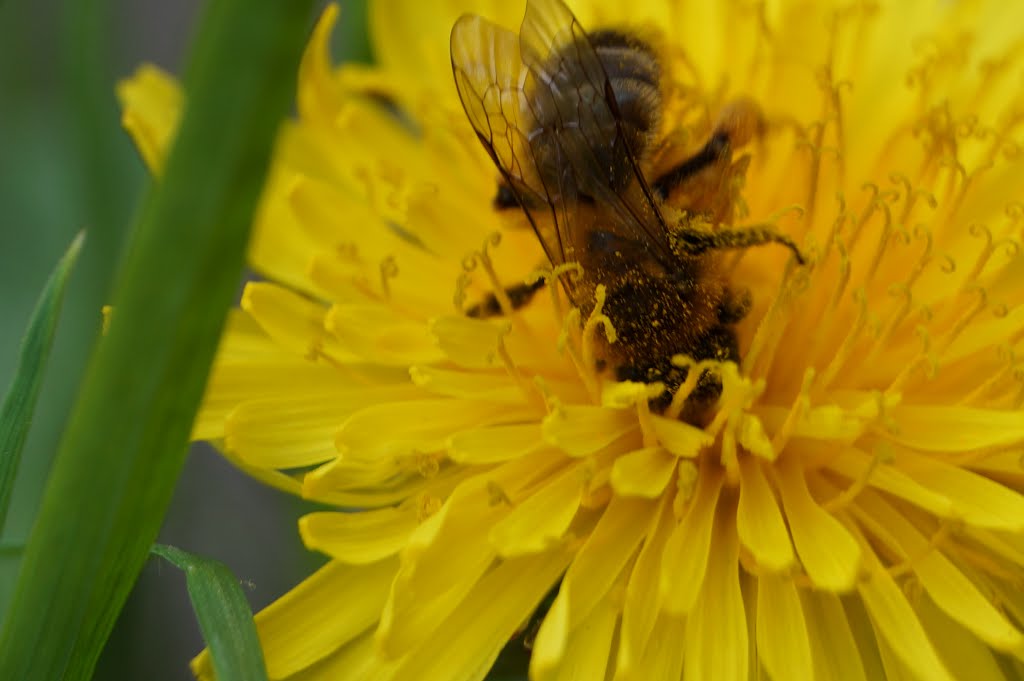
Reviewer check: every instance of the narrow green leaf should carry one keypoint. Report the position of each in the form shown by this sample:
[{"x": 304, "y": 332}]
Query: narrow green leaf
[
  {"x": 20, "y": 401},
  {"x": 223, "y": 614},
  {"x": 125, "y": 443}
]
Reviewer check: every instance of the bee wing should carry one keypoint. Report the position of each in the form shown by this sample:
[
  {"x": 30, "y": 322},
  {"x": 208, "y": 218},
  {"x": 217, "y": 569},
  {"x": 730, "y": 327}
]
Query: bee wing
[
  {"x": 566, "y": 74},
  {"x": 550, "y": 72},
  {"x": 491, "y": 80}
]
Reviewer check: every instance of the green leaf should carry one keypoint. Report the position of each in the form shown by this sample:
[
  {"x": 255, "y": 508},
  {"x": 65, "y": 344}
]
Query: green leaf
[
  {"x": 223, "y": 614},
  {"x": 125, "y": 443},
  {"x": 20, "y": 401}
]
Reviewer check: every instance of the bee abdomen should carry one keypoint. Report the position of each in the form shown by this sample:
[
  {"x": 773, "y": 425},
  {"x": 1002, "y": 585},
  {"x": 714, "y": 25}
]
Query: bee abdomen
[{"x": 635, "y": 75}]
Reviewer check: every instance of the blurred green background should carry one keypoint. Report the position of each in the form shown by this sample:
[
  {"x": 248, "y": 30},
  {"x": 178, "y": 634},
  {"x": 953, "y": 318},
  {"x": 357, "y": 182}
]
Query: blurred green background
[{"x": 65, "y": 165}]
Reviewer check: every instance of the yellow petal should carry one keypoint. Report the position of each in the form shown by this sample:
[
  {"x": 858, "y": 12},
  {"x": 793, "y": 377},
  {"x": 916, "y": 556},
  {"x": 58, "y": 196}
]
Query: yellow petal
[
  {"x": 470, "y": 343},
  {"x": 377, "y": 334},
  {"x": 552, "y": 638},
  {"x": 495, "y": 444},
  {"x": 581, "y": 430},
  {"x": 752, "y": 437},
  {"x": 680, "y": 438},
  {"x": 663, "y": 654},
  {"x": 587, "y": 651},
  {"x": 360, "y": 537},
  {"x": 965, "y": 655},
  {"x": 759, "y": 521},
  {"x": 716, "y": 643},
  {"x": 828, "y": 553},
  {"x": 441, "y": 562},
  {"x": 354, "y": 661},
  {"x": 836, "y": 655},
  {"x": 539, "y": 523},
  {"x": 783, "y": 643},
  {"x": 478, "y": 385},
  {"x": 317, "y": 95},
  {"x": 587, "y": 581},
  {"x": 976, "y": 500},
  {"x": 951, "y": 590},
  {"x": 233, "y": 381},
  {"x": 294, "y": 322},
  {"x": 464, "y": 645},
  {"x": 418, "y": 426},
  {"x": 895, "y": 622},
  {"x": 641, "y": 607},
  {"x": 855, "y": 464},
  {"x": 291, "y": 431},
  {"x": 151, "y": 102},
  {"x": 643, "y": 473},
  {"x": 364, "y": 484},
  {"x": 949, "y": 429},
  {"x": 685, "y": 561}
]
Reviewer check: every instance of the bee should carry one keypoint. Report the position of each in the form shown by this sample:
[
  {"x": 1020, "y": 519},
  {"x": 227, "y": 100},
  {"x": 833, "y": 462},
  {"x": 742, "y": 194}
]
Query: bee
[{"x": 571, "y": 121}]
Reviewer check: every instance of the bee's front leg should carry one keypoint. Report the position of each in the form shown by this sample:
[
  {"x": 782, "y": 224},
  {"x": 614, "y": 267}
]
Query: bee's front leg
[{"x": 688, "y": 242}]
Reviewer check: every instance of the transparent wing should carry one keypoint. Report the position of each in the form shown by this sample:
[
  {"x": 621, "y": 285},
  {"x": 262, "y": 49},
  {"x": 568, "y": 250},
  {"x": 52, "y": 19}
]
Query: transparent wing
[
  {"x": 544, "y": 108},
  {"x": 490, "y": 78},
  {"x": 566, "y": 73}
]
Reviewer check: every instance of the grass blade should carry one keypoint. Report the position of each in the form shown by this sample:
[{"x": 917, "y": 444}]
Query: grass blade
[
  {"x": 223, "y": 614},
  {"x": 125, "y": 443},
  {"x": 20, "y": 401}
]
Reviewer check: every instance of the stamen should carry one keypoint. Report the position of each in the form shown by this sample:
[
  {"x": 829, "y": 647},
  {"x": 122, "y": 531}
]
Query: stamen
[
  {"x": 388, "y": 270},
  {"x": 832, "y": 89},
  {"x": 569, "y": 342},
  {"x": 989, "y": 564},
  {"x": 981, "y": 231},
  {"x": 957, "y": 172},
  {"x": 596, "y": 318},
  {"x": 849, "y": 341},
  {"x": 687, "y": 475},
  {"x": 769, "y": 331},
  {"x": 912, "y": 196},
  {"x": 925, "y": 359},
  {"x": 1001, "y": 137},
  {"x": 923, "y": 259},
  {"x": 428, "y": 465},
  {"x": 1015, "y": 214},
  {"x": 497, "y": 496},
  {"x": 729, "y": 457},
  {"x": 818, "y": 150},
  {"x": 895, "y": 319},
  {"x": 483, "y": 258},
  {"x": 883, "y": 241},
  {"x": 462, "y": 283},
  {"x": 528, "y": 389},
  {"x": 693, "y": 373},
  {"x": 935, "y": 542},
  {"x": 643, "y": 414},
  {"x": 837, "y": 227},
  {"x": 969, "y": 182},
  {"x": 961, "y": 324},
  {"x": 872, "y": 204},
  {"x": 427, "y": 505},
  {"x": 1006, "y": 354},
  {"x": 572, "y": 270},
  {"x": 801, "y": 404}
]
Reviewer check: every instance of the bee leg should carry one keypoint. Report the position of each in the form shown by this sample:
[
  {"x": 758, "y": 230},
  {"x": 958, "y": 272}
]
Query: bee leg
[
  {"x": 716, "y": 149},
  {"x": 518, "y": 295},
  {"x": 690, "y": 242}
]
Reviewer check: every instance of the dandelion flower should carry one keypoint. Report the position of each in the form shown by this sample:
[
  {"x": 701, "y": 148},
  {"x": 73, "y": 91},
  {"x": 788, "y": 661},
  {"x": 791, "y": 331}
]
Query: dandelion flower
[{"x": 852, "y": 507}]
